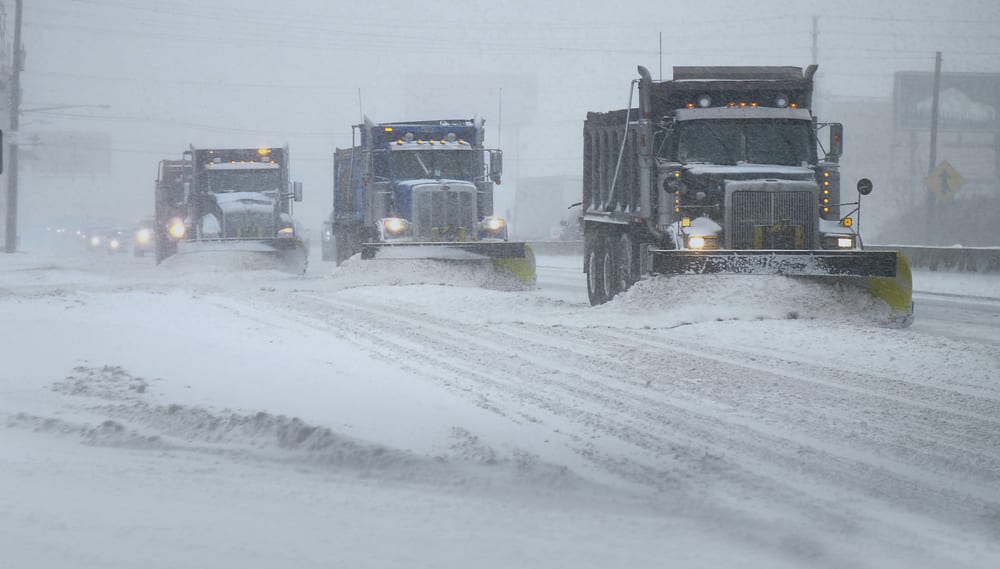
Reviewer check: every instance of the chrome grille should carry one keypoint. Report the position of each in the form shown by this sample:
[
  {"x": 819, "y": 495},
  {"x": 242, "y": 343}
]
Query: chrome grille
[
  {"x": 448, "y": 214},
  {"x": 750, "y": 209},
  {"x": 248, "y": 225}
]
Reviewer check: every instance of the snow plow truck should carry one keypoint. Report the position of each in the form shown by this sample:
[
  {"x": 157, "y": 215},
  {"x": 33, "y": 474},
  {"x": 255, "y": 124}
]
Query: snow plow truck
[
  {"x": 722, "y": 170},
  {"x": 421, "y": 190},
  {"x": 172, "y": 177},
  {"x": 230, "y": 200}
]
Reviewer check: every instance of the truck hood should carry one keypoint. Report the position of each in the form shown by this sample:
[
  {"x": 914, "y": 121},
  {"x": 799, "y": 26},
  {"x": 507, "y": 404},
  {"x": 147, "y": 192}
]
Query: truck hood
[
  {"x": 232, "y": 202},
  {"x": 750, "y": 171},
  {"x": 413, "y": 184}
]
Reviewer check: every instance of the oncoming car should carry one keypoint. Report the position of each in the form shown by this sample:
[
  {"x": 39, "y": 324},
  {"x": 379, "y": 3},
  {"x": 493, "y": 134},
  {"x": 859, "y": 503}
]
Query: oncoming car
[{"x": 111, "y": 240}]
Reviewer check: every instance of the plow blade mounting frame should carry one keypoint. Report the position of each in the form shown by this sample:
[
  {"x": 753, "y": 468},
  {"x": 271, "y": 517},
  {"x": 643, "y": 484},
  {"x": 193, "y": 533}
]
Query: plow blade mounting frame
[
  {"x": 486, "y": 249},
  {"x": 776, "y": 262}
]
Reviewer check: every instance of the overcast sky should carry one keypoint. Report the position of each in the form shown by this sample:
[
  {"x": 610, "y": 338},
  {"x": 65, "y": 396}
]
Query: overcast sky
[{"x": 255, "y": 72}]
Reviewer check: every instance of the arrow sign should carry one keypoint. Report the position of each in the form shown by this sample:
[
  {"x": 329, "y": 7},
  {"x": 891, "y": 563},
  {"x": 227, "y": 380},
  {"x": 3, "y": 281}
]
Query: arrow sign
[
  {"x": 945, "y": 186},
  {"x": 944, "y": 181}
]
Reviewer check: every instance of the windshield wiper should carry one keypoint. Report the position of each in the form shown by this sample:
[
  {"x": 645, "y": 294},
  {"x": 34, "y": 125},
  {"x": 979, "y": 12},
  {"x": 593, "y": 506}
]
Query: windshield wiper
[{"x": 427, "y": 170}]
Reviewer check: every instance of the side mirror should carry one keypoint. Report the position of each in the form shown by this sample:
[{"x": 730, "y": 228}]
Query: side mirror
[
  {"x": 496, "y": 165},
  {"x": 865, "y": 186},
  {"x": 297, "y": 191},
  {"x": 836, "y": 141}
]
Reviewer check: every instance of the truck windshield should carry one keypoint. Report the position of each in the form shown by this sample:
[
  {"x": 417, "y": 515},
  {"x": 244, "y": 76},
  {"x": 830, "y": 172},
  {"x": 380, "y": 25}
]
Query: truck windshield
[
  {"x": 223, "y": 181},
  {"x": 756, "y": 141},
  {"x": 451, "y": 163}
]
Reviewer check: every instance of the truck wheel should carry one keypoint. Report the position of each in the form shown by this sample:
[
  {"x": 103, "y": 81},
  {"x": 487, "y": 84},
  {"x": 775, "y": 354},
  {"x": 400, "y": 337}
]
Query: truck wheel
[
  {"x": 596, "y": 290},
  {"x": 609, "y": 268},
  {"x": 625, "y": 269},
  {"x": 340, "y": 247}
]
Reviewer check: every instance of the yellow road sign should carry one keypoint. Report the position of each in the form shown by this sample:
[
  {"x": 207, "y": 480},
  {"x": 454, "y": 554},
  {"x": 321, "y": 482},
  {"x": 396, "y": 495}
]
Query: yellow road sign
[{"x": 944, "y": 181}]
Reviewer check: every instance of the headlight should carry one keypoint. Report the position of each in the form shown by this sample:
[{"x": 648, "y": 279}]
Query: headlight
[
  {"x": 95, "y": 241},
  {"x": 143, "y": 236},
  {"x": 493, "y": 224},
  {"x": 114, "y": 244},
  {"x": 286, "y": 232},
  {"x": 845, "y": 242},
  {"x": 702, "y": 242},
  {"x": 176, "y": 228},
  {"x": 395, "y": 225}
]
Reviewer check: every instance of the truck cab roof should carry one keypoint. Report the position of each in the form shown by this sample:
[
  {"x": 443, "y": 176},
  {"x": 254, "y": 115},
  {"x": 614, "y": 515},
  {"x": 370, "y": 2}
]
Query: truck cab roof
[{"x": 769, "y": 113}]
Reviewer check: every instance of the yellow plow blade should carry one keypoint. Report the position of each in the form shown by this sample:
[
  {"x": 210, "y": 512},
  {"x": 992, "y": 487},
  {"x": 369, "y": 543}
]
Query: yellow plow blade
[
  {"x": 896, "y": 291},
  {"x": 523, "y": 268}
]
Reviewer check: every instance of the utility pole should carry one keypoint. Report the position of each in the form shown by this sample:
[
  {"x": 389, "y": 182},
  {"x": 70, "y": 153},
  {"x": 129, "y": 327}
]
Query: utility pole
[
  {"x": 15, "y": 112},
  {"x": 932, "y": 163},
  {"x": 934, "y": 113}
]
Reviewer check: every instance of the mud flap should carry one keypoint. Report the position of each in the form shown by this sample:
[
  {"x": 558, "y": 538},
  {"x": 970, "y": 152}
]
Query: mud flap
[
  {"x": 523, "y": 268},
  {"x": 896, "y": 291}
]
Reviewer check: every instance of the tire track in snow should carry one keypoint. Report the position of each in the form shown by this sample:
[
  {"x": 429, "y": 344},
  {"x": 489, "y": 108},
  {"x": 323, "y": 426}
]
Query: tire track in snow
[{"x": 834, "y": 464}]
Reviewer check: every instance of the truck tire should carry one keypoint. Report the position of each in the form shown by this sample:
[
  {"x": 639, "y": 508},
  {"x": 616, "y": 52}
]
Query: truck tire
[
  {"x": 598, "y": 278},
  {"x": 340, "y": 247},
  {"x": 625, "y": 271}
]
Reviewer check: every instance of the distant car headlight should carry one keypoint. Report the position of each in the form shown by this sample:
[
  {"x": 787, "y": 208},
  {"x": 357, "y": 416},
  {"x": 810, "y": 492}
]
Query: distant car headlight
[
  {"x": 114, "y": 244},
  {"x": 176, "y": 228},
  {"x": 143, "y": 236},
  {"x": 95, "y": 241}
]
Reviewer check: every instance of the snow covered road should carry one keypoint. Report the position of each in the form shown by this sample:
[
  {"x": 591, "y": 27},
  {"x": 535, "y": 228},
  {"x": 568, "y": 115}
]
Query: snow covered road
[{"x": 402, "y": 413}]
